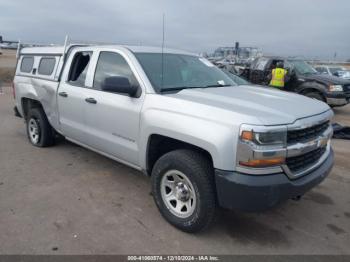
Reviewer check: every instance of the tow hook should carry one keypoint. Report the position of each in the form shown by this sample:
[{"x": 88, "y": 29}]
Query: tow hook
[{"x": 297, "y": 198}]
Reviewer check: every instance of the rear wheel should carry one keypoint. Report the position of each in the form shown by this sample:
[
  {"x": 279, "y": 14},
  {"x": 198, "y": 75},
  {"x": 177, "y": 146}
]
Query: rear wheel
[
  {"x": 39, "y": 130},
  {"x": 183, "y": 189}
]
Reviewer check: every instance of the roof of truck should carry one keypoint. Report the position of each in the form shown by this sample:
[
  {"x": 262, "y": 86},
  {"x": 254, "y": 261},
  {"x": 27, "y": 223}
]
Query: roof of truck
[
  {"x": 58, "y": 50},
  {"x": 43, "y": 50}
]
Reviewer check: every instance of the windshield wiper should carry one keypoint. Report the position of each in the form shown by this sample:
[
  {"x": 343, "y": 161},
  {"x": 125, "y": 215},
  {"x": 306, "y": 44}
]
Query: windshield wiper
[
  {"x": 177, "y": 88},
  {"x": 216, "y": 85}
]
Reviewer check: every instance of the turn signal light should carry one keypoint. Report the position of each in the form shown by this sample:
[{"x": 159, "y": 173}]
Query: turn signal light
[
  {"x": 263, "y": 162},
  {"x": 247, "y": 135}
]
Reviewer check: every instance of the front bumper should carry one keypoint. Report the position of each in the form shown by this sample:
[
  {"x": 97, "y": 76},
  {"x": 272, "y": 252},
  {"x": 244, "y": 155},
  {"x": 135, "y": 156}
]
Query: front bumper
[
  {"x": 337, "y": 98},
  {"x": 260, "y": 192}
]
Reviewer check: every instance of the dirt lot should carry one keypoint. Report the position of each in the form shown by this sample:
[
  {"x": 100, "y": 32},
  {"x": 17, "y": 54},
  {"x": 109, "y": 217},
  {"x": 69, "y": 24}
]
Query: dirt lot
[
  {"x": 7, "y": 64},
  {"x": 69, "y": 200}
]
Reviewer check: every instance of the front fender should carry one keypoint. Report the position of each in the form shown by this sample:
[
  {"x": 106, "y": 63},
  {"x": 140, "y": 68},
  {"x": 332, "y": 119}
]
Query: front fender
[{"x": 218, "y": 139}]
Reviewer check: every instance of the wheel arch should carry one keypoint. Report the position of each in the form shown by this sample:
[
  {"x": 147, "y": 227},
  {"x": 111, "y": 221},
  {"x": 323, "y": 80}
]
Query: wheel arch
[
  {"x": 158, "y": 145},
  {"x": 310, "y": 87},
  {"x": 29, "y": 103}
]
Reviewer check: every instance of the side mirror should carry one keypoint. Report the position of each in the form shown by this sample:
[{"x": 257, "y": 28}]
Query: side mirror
[{"x": 119, "y": 84}]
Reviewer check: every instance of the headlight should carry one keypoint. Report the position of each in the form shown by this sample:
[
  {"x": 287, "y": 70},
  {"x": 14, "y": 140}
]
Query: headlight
[
  {"x": 335, "y": 88},
  {"x": 265, "y": 138},
  {"x": 261, "y": 146}
]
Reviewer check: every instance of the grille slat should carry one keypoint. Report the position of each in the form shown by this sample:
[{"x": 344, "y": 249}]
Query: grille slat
[
  {"x": 302, "y": 162},
  {"x": 306, "y": 134},
  {"x": 346, "y": 88}
]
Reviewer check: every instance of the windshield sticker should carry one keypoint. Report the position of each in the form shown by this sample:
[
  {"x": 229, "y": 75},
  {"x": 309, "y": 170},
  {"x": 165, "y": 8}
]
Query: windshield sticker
[
  {"x": 206, "y": 62},
  {"x": 221, "y": 82}
]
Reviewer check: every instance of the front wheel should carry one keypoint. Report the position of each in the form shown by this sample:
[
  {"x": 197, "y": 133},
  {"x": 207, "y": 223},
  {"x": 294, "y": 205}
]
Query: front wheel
[{"x": 183, "y": 189}]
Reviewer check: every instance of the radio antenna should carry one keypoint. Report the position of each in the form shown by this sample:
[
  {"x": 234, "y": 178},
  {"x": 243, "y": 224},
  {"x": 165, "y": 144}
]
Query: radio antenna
[
  {"x": 163, "y": 49},
  {"x": 65, "y": 47}
]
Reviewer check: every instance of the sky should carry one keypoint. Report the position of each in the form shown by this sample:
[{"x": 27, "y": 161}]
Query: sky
[{"x": 315, "y": 29}]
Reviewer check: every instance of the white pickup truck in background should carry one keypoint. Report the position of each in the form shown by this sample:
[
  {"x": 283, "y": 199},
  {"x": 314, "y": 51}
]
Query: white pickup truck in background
[{"x": 204, "y": 140}]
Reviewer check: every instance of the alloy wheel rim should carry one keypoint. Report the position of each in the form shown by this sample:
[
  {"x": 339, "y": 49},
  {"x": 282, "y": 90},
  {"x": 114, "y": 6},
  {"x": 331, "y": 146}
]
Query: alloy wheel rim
[
  {"x": 178, "y": 193},
  {"x": 34, "y": 132}
]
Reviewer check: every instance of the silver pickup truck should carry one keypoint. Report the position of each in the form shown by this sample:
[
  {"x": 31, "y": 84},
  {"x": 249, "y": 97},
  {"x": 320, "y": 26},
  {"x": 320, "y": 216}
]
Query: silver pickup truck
[{"x": 205, "y": 141}]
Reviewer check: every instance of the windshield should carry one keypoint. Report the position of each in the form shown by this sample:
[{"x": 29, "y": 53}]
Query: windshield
[
  {"x": 238, "y": 80},
  {"x": 335, "y": 69},
  {"x": 177, "y": 71},
  {"x": 302, "y": 67}
]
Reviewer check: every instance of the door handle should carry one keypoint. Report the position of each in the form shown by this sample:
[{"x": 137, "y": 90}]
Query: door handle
[
  {"x": 91, "y": 100},
  {"x": 63, "y": 94}
]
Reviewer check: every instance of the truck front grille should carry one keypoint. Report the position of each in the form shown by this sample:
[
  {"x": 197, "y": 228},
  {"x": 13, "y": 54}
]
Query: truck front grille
[
  {"x": 306, "y": 134},
  {"x": 346, "y": 88},
  {"x": 298, "y": 163}
]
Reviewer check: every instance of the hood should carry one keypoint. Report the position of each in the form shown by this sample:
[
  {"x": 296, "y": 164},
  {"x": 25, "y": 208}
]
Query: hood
[
  {"x": 326, "y": 79},
  {"x": 268, "y": 105}
]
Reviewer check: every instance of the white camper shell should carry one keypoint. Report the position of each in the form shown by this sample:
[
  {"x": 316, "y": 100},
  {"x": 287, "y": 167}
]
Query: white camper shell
[{"x": 41, "y": 62}]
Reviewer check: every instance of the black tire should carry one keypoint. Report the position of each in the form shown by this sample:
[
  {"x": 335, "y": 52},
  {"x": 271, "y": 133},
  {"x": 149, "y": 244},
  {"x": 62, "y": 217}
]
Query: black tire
[
  {"x": 315, "y": 95},
  {"x": 59, "y": 138},
  {"x": 46, "y": 134},
  {"x": 199, "y": 171}
]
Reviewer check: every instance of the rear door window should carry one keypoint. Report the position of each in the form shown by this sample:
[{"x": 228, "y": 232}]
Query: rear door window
[
  {"x": 46, "y": 66},
  {"x": 79, "y": 68},
  {"x": 27, "y": 64}
]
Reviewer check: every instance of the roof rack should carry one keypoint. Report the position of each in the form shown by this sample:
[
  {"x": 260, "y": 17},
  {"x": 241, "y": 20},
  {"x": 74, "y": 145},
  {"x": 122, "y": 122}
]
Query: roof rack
[{"x": 68, "y": 44}]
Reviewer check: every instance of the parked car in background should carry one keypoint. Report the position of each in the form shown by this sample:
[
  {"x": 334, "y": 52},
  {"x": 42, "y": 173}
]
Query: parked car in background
[
  {"x": 205, "y": 141},
  {"x": 344, "y": 74},
  {"x": 303, "y": 79},
  {"x": 335, "y": 71},
  {"x": 225, "y": 62},
  {"x": 237, "y": 79}
]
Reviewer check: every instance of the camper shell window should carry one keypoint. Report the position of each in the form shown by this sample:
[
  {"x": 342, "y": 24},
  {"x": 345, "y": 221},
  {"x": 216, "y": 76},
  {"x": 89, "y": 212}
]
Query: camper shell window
[
  {"x": 27, "y": 64},
  {"x": 46, "y": 66}
]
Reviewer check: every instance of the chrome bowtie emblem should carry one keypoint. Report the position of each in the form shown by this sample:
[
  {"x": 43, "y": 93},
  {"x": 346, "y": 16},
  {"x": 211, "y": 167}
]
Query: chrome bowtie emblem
[{"x": 322, "y": 142}]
